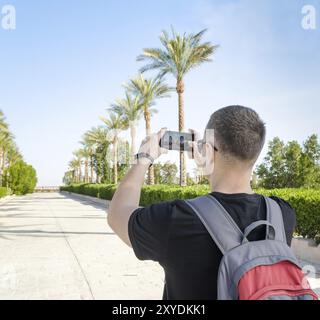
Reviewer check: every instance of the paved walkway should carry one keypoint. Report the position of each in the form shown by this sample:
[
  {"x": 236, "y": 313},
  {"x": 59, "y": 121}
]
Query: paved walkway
[{"x": 55, "y": 246}]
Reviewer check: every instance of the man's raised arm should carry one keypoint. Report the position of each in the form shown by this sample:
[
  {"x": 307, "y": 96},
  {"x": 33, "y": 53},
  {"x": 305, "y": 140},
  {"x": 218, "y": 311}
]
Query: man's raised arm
[{"x": 127, "y": 197}]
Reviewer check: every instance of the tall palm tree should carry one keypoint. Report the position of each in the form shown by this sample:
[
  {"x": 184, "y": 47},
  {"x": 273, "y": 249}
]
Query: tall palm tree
[
  {"x": 115, "y": 124},
  {"x": 5, "y": 138},
  {"x": 88, "y": 148},
  {"x": 98, "y": 139},
  {"x": 7, "y": 145},
  {"x": 74, "y": 166},
  {"x": 3, "y": 125},
  {"x": 149, "y": 91},
  {"x": 130, "y": 108},
  {"x": 179, "y": 55},
  {"x": 85, "y": 155},
  {"x": 13, "y": 154},
  {"x": 9, "y": 152},
  {"x": 78, "y": 161}
]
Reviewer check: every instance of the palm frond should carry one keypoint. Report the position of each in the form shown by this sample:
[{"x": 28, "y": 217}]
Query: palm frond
[{"x": 179, "y": 53}]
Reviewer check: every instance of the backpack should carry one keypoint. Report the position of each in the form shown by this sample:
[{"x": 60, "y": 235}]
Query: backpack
[{"x": 253, "y": 270}]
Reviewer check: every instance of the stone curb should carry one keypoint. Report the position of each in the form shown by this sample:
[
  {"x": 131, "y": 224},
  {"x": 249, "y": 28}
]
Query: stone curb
[{"x": 87, "y": 198}]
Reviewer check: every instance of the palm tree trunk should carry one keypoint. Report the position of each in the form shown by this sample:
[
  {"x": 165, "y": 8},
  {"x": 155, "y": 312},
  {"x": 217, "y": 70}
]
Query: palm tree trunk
[
  {"x": 2, "y": 160},
  {"x": 91, "y": 170},
  {"x": 180, "y": 91},
  {"x": 80, "y": 174},
  {"x": 86, "y": 171},
  {"x": 147, "y": 118},
  {"x": 115, "y": 161}
]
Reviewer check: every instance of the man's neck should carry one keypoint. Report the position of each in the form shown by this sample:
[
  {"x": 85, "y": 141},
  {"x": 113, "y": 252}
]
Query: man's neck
[{"x": 231, "y": 181}]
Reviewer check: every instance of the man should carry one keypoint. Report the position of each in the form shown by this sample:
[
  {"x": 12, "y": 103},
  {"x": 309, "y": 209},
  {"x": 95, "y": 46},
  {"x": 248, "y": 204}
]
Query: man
[{"x": 170, "y": 232}]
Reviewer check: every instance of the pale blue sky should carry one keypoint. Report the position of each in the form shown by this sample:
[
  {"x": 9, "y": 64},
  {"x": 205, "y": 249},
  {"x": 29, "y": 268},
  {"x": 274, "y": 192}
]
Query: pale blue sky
[{"x": 65, "y": 63}]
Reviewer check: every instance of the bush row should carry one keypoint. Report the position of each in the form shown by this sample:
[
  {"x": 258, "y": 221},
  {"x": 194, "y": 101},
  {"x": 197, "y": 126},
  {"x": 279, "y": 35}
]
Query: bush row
[
  {"x": 101, "y": 191},
  {"x": 4, "y": 192},
  {"x": 306, "y": 202},
  {"x": 20, "y": 177},
  {"x": 149, "y": 194}
]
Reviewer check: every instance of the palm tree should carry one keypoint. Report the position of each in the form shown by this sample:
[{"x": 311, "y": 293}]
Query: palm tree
[
  {"x": 179, "y": 55},
  {"x": 149, "y": 90},
  {"x": 77, "y": 162},
  {"x": 130, "y": 108},
  {"x": 9, "y": 152},
  {"x": 85, "y": 155},
  {"x": 88, "y": 153},
  {"x": 13, "y": 154},
  {"x": 3, "y": 125},
  {"x": 74, "y": 166},
  {"x": 115, "y": 124},
  {"x": 7, "y": 145},
  {"x": 5, "y": 138},
  {"x": 98, "y": 140}
]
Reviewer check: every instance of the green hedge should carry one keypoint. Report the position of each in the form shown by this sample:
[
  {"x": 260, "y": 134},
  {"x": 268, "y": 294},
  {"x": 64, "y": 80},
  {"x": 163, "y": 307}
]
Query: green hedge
[
  {"x": 305, "y": 202},
  {"x": 101, "y": 191},
  {"x": 160, "y": 193},
  {"x": 4, "y": 192},
  {"x": 21, "y": 178}
]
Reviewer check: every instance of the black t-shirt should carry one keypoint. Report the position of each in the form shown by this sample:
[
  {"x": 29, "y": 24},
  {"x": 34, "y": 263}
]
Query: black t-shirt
[{"x": 173, "y": 235}]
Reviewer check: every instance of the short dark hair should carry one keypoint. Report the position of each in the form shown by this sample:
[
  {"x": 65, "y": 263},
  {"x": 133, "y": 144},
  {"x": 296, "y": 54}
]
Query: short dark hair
[{"x": 239, "y": 132}]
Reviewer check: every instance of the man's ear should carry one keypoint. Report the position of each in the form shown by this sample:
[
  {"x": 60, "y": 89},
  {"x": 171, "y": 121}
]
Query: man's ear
[
  {"x": 209, "y": 159},
  {"x": 209, "y": 151}
]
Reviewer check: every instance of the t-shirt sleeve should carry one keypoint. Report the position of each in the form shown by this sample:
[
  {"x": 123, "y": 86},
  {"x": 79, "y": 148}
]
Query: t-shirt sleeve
[
  {"x": 148, "y": 230},
  {"x": 289, "y": 218}
]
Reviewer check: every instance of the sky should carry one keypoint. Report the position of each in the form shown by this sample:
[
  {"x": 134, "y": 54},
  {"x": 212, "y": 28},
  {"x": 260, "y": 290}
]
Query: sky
[{"x": 66, "y": 61}]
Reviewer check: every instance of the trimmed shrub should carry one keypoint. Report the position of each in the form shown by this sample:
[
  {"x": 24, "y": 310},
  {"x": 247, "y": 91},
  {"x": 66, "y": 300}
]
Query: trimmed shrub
[
  {"x": 4, "y": 192},
  {"x": 160, "y": 193},
  {"x": 101, "y": 191},
  {"x": 306, "y": 202},
  {"x": 21, "y": 178}
]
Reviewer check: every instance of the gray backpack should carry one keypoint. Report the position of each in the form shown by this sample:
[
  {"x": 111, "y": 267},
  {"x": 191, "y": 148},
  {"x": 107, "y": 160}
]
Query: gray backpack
[{"x": 253, "y": 270}]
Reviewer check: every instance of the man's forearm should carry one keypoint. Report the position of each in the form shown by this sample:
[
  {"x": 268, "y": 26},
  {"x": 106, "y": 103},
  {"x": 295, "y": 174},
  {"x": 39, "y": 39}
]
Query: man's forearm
[
  {"x": 126, "y": 199},
  {"x": 129, "y": 190}
]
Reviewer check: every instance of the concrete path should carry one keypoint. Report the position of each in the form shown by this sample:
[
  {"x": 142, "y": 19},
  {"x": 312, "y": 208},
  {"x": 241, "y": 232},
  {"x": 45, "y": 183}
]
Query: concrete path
[{"x": 56, "y": 246}]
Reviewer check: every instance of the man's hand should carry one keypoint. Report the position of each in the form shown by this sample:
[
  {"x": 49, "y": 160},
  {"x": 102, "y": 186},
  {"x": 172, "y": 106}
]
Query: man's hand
[
  {"x": 150, "y": 145},
  {"x": 203, "y": 152}
]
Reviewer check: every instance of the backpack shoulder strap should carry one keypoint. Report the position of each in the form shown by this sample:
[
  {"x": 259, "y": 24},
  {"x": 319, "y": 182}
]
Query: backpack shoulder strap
[
  {"x": 274, "y": 216},
  {"x": 220, "y": 225}
]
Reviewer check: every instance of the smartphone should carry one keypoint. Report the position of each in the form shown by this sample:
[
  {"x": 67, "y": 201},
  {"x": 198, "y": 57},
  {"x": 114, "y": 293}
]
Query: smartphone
[{"x": 173, "y": 140}]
